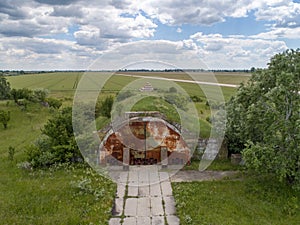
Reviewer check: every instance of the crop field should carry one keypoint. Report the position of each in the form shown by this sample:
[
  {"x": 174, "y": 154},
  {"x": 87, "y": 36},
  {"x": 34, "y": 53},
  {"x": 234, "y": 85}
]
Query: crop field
[{"x": 64, "y": 84}]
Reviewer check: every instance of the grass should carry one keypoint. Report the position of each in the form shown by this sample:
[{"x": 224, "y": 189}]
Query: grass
[
  {"x": 54, "y": 196},
  {"x": 216, "y": 165},
  {"x": 62, "y": 85},
  {"x": 236, "y": 202}
]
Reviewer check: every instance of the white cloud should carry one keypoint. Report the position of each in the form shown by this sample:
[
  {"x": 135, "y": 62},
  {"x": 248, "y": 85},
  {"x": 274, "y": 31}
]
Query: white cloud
[
  {"x": 275, "y": 33},
  {"x": 43, "y": 54},
  {"x": 100, "y": 26},
  {"x": 235, "y": 51},
  {"x": 179, "y": 30}
]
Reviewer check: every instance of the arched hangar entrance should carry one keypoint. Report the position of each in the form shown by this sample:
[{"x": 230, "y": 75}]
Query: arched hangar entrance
[{"x": 143, "y": 140}]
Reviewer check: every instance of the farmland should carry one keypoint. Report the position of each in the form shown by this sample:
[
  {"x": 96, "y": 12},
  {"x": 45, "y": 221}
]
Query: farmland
[
  {"x": 65, "y": 83},
  {"x": 59, "y": 195}
]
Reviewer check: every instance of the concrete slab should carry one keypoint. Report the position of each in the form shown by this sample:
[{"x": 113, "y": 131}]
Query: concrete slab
[
  {"x": 156, "y": 206},
  {"x": 166, "y": 188},
  {"x": 144, "y": 191},
  {"x": 155, "y": 190},
  {"x": 121, "y": 190},
  {"x": 131, "y": 207},
  {"x": 153, "y": 177},
  {"x": 133, "y": 177},
  {"x": 143, "y": 221},
  {"x": 143, "y": 177},
  {"x": 123, "y": 177},
  {"x": 143, "y": 207},
  {"x": 163, "y": 176},
  {"x": 129, "y": 221},
  {"x": 170, "y": 208},
  {"x": 191, "y": 175},
  {"x": 158, "y": 220},
  {"x": 118, "y": 207},
  {"x": 133, "y": 191},
  {"x": 173, "y": 220},
  {"x": 114, "y": 221}
]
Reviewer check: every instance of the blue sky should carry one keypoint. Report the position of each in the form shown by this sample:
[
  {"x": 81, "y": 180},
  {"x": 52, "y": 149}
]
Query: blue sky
[{"x": 72, "y": 34}]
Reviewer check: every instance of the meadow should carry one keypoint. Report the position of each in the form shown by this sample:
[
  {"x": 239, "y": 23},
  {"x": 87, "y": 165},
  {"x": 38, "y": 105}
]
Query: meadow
[
  {"x": 64, "y": 84},
  {"x": 63, "y": 194},
  {"x": 46, "y": 196}
]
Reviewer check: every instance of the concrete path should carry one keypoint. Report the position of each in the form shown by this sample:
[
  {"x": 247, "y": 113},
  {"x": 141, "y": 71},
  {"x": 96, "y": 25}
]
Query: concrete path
[
  {"x": 194, "y": 175},
  {"x": 144, "y": 196},
  {"x": 179, "y": 80}
]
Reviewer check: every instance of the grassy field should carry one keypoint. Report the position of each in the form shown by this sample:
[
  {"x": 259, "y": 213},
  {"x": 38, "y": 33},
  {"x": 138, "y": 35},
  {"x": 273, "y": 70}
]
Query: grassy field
[
  {"x": 55, "y": 196},
  {"x": 76, "y": 195},
  {"x": 241, "y": 202},
  {"x": 64, "y": 84}
]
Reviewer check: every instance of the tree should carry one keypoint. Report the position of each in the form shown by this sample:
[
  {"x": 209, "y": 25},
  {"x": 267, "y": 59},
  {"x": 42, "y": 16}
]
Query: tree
[
  {"x": 39, "y": 95},
  {"x": 4, "y": 118},
  {"x": 172, "y": 90},
  {"x": 263, "y": 119},
  {"x": 4, "y": 88},
  {"x": 57, "y": 145},
  {"x": 55, "y": 103},
  {"x": 23, "y": 93},
  {"x": 103, "y": 108}
]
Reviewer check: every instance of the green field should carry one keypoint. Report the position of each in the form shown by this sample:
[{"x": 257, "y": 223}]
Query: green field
[
  {"x": 52, "y": 196},
  {"x": 60, "y": 195},
  {"x": 240, "y": 202},
  {"x": 63, "y": 84}
]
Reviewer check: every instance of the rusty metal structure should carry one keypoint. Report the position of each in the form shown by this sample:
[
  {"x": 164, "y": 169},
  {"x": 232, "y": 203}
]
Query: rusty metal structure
[{"x": 143, "y": 138}]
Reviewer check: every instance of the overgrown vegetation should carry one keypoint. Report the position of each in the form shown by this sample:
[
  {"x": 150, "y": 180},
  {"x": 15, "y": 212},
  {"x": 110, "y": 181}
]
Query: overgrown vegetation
[
  {"x": 4, "y": 118},
  {"x": 4, "y": 88},
  {"x": 60, "y": 194},
  {"x": 264, "y": 119},
  {"x": 57, "y": 143}
]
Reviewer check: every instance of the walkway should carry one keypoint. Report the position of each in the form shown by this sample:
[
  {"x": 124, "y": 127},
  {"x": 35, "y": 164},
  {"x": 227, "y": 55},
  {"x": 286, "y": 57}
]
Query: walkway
[{"x": 144, "y": 196}]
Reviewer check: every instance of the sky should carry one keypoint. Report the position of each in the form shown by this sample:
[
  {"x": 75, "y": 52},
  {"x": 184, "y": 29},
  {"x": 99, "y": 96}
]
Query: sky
[{"x": 74, "y": 34}]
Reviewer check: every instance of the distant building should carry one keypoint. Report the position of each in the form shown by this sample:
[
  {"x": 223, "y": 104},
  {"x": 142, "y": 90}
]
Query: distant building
[{"x": 147, "y": 88}]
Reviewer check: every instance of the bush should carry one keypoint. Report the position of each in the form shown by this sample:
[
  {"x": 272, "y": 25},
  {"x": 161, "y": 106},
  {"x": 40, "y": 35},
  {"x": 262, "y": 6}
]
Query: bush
[
  {"x": 103, "y": 108},
  {"x": 54, "y": 103},
  {"x": 4, "y": 88},
  {"x": 4, "y": 118},
  {"x": 57, "y": 144}
]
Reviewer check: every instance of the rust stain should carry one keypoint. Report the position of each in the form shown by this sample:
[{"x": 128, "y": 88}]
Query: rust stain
[{"x": 144, "y": 138}]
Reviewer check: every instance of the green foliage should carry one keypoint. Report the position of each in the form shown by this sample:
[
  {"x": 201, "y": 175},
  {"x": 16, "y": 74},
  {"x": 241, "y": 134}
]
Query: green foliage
[
  {"x": 36, "y": 95},
  {"x": 45, "y": 196},
  {"x": 58, "y": 144},
  {"x": 172, "y": 90},
  {"x": 53, "y": 102},
  {"x": 177, "y": 100},
  {"x": 11, "y": 153},
  {"x": 104, "y": 107},
  {"x": 123, "y": 95},
  {"x": 4, "y": 118},
  {"x": 4, "y": 88},
  {"x": 23, "y": 93},
  {"x": 265, "y": 115},
  {"x": 196, "y": 98},
  {"x": 40, "y": 94}
]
